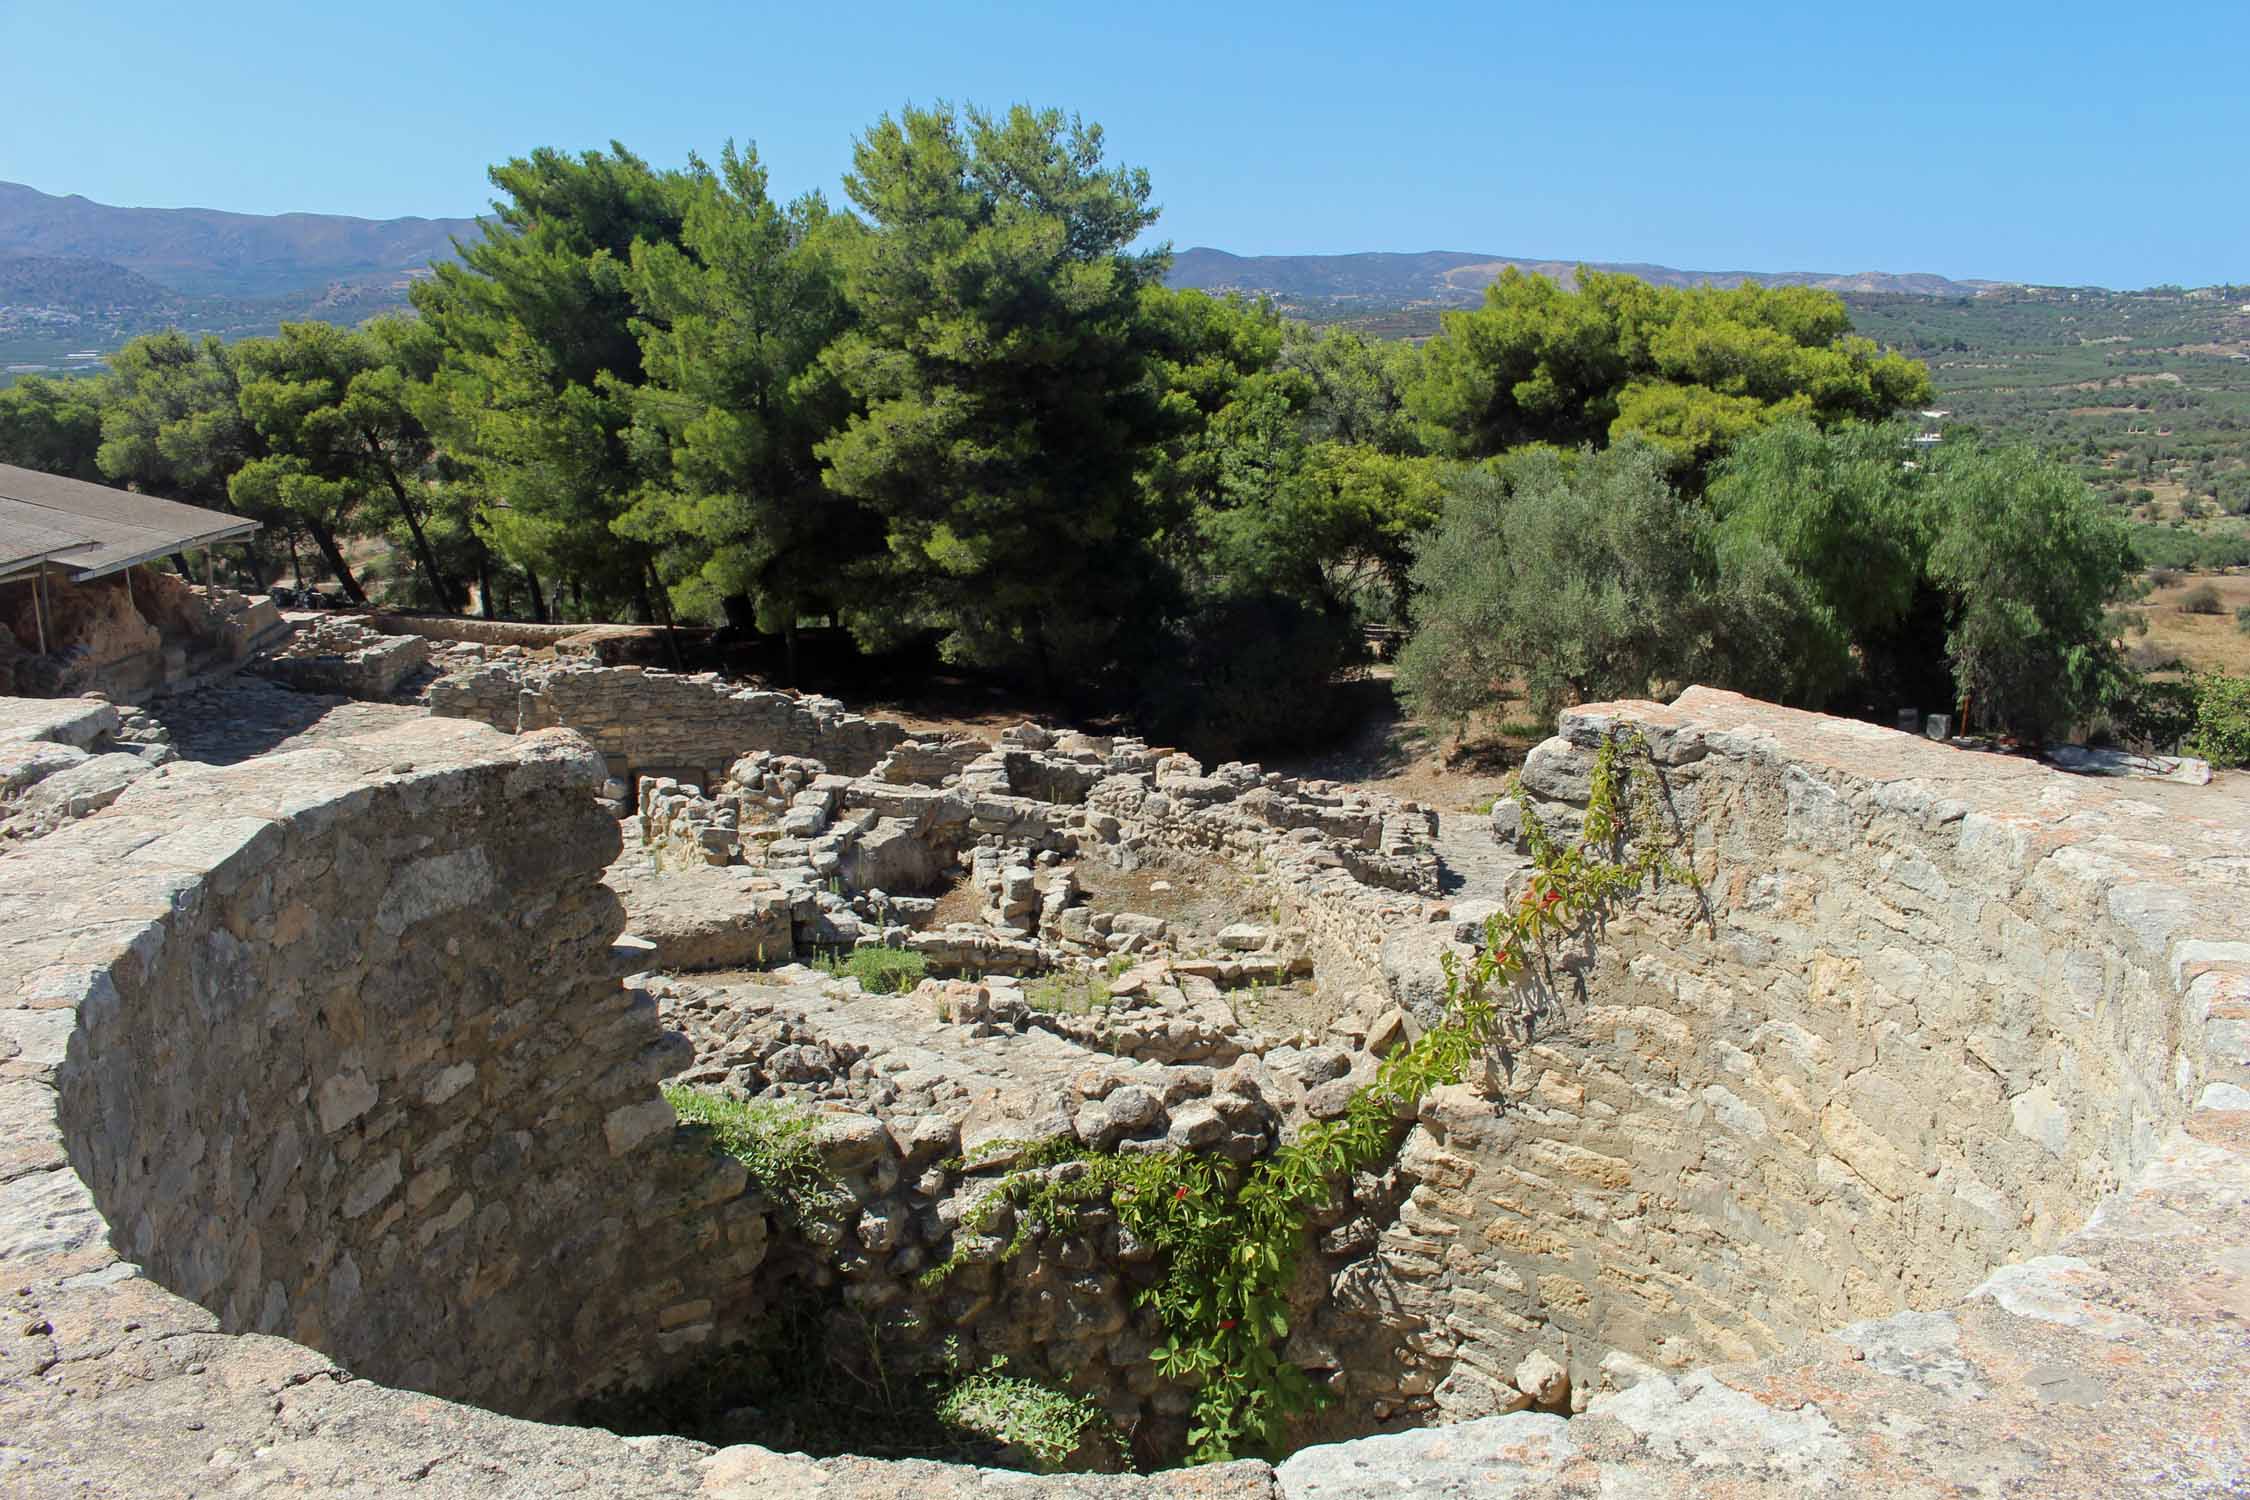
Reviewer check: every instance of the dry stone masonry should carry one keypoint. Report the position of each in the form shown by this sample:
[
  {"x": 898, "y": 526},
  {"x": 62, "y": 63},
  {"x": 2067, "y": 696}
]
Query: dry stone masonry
[
  {"x": 1924, "y": 1113},
  {"x": 646, "y": 722}
]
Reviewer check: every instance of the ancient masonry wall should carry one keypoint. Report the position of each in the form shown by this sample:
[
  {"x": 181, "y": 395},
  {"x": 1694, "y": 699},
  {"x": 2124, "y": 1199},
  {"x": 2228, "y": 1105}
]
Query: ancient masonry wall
[
  {"x": 651, "y": 723},
  {"x": 235, "y": 1003},
  {"x": 351, "y": 1065},
  {"x": 1928, "y": 1008}
]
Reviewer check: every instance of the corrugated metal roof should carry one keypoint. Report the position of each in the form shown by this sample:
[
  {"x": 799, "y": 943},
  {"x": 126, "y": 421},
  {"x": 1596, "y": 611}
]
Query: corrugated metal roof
[{"x": 86, "y": 530}]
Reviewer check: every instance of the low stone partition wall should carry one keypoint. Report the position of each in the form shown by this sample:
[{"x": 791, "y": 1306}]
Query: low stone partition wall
[
  {"x": 332, "y": 654},
  {"x": 482, "y": 632},
  {"x": 1927, "y": 1008},
  {"x": 647, "y": 722}
]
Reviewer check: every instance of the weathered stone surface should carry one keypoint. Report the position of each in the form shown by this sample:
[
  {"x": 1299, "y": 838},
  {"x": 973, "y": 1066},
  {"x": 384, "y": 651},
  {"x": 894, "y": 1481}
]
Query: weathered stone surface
[
  {"x": 1926, "y": 1009},
  {"x": 1797, "y": 1100},
  {"x": 1493, "y": 1458},
  {"x": 329, "y": 1079}
]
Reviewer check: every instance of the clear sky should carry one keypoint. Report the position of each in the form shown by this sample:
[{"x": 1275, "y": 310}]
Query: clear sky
[{"x": 2056, "y": 142}]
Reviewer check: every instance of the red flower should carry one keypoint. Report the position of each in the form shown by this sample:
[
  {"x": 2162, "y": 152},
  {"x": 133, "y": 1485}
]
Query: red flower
[
  {"x": 1553, "y": 897},
  {"x": 1178, "y": 1193},
  {"x": 1226, "y": 1322}
]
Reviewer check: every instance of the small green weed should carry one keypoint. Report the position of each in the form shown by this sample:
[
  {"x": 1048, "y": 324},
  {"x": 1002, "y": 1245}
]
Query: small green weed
[
  {"x": 880, "y": 971},
  {"x": 1068, "y": 992}
]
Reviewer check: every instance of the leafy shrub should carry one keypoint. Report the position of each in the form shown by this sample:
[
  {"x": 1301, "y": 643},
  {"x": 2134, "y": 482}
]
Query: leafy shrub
[
  {"x": 880, "y": 971},
  {"x": 2200, "y": 600},
  {"x": 2152, "y": 716},
  {"x": 1050, "y": 1425},
  {"x": 1579, "y": 575},
  {"x": 2147, "y": 656},
  {"x": 2163, "y": 578},
  {"x": 2222, "y": 720},
  {"x": 2242, "y": 619}
]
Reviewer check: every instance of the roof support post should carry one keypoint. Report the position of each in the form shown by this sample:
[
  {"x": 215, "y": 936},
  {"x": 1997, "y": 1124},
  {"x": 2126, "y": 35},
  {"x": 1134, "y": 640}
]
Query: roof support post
[
  {"x": 209, "y": 588},
  {"x": 39, "y": 606}
]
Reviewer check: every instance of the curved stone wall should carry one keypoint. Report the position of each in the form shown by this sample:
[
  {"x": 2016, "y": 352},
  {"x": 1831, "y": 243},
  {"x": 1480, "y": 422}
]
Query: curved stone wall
[
  {"x": 1926, "y": 1010},
  {"x": 352, "y": 1065}
]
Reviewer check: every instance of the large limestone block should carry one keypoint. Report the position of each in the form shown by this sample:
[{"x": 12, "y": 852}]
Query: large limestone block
[{"x": 1490, "y": 1457}]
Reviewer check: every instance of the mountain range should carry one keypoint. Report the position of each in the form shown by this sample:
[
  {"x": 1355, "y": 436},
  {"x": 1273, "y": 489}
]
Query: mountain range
[
  {"x": 78, "y": 278},
  {"x": 1460, "y": 276}
]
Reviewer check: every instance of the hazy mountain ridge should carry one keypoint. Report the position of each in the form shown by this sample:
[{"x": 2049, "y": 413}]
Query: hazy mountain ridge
[
  {"x": 79, "y": 277},
  {"x": 201, "y": 251},
  {"x": 1460, "y": 277}
]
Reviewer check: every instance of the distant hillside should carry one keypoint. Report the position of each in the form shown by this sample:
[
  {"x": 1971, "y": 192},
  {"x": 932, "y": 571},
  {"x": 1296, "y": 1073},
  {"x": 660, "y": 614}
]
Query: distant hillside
[
  {"x": 201, "y": 251},
  {"x": 79, "y": 278},
  {"x": 1458, "y": 278},
  {"x": 70, "y": 280}
]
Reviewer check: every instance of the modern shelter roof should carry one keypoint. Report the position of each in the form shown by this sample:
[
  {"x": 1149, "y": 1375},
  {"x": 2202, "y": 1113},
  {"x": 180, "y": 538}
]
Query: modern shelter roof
[{"x": 85, "y": 530}]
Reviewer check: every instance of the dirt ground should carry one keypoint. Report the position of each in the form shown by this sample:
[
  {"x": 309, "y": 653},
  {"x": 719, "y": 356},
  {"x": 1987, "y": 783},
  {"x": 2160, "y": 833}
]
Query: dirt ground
[
  {"x": 1198, "y": 899},
  {"x": 2207, "y": 643},
  {"x": 1393, "y": 753}
]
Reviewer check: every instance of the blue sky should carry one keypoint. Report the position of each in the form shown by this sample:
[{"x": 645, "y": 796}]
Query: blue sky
[{"x": 2059, "y": 142}]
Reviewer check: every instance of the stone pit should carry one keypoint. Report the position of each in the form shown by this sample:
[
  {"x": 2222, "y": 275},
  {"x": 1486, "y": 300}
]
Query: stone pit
[{"x": 1904, "y": 1150}]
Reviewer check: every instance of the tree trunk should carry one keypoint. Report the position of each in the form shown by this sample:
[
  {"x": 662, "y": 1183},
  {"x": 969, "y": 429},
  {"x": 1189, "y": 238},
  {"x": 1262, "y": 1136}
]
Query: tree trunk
[
  {"x": 789, "y": 646},
  {"x": 538, "y": 600},
  {"x": 655, "y": 586},
  {"x": 484, "y": 583},
  {"x": 422, "y": 552},
  {"x": 325, "y": 539}
]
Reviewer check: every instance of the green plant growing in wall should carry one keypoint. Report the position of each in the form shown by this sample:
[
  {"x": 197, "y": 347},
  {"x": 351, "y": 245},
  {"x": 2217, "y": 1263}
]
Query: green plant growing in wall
[
  {"x": 773, "y": 1140},
  {"x": 1229, "y": 1237}
]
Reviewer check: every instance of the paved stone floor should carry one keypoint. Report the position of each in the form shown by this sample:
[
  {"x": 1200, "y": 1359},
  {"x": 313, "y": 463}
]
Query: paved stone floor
[
  {"x": 229, "y": 721},
  {"x": 1475, "y": 866}
]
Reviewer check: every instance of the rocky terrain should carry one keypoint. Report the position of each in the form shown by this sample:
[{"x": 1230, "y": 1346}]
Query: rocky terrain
[{"x": 1904, "y": 1147}]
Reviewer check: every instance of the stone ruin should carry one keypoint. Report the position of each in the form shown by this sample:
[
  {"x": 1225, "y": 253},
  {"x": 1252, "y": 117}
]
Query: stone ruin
[
  {"x": 1906, "y": 1151},
  {"x": 128, "y": 635}
]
